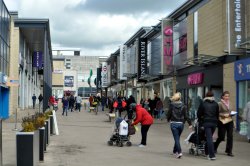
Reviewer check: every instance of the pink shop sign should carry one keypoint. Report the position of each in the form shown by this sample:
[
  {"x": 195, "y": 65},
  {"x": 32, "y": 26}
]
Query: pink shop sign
[{"x": 195, "y": 79}]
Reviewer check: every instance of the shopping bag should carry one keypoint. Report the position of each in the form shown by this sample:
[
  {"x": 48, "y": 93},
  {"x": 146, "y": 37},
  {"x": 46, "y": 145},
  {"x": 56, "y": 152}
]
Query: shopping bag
[
  {"x": 243, "y": 128},
  {"x": 124, "y": 104},
  {"x": 115, "y": 104},
  {"x": 131, "y": 130}
]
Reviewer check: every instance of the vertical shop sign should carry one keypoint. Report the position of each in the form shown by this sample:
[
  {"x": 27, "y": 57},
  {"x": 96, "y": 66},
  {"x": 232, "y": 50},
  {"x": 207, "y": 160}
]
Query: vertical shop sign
[
  {"x": 236, "y": 31},
  {"x": 142, "y": 58},
  {"x": 167, "y": 46},
  {"x": 37, "y": 59},
  {"x": 98, "y": 78},
  {"x": 123, "y": 60},
  {"x": 104, "y": 74}
]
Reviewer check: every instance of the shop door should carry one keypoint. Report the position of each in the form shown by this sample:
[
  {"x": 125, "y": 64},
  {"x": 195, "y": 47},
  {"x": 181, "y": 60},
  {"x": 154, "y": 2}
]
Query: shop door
[{"x": 4, "y": 100}]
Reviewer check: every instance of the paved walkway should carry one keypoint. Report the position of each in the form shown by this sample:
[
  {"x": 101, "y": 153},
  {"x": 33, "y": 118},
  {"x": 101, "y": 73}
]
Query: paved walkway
[{"x": 83, "y": 141}]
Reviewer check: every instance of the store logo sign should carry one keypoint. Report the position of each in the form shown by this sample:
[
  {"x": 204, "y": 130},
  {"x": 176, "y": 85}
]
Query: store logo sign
[
  {"x": 168, "y": 45},
  {"x": 242, "y": 70},
  {"x": 195, "y": 79},
  {"x": 142, "y": 61}
]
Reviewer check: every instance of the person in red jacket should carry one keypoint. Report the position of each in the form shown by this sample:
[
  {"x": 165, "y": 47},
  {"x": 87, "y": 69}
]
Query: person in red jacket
[{"x": 146, "y": 120}]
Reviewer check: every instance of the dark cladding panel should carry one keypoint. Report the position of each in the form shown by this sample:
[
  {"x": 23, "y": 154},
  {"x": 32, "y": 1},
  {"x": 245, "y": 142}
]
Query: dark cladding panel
[{"x": 155, "y": 68}]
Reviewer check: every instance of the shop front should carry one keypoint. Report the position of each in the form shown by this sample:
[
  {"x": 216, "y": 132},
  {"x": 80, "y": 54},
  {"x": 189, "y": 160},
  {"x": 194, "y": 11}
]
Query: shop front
[
  {"x": 194, "y": 85},
  {"x": 242, "y": 78}
]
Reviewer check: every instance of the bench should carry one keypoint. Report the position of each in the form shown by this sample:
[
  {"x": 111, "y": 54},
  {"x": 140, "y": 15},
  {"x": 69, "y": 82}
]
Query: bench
[{"x": 111, "y": 116}]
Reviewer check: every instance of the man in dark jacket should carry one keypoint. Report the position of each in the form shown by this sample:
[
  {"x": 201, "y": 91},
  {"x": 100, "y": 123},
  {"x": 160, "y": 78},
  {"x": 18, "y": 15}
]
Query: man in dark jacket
[
  {"x": 34, "y": 100},
  {"x": 103, "y": 101},
  {"x": 71, "y": 102},
  {"x": 208, "y": 114}
]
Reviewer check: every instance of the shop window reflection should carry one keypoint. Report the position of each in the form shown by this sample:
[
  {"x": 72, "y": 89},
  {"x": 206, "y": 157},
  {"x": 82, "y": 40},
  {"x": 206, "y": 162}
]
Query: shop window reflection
[
  {"x": 194, "y": 99},
  {"x": 244, "y": 96}
]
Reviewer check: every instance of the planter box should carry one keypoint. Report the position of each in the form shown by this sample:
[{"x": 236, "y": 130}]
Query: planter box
[
  {"x": 51, "y": 125},
  {"x": 27, "y": 148},
  {"x": 42, "y": 143}
]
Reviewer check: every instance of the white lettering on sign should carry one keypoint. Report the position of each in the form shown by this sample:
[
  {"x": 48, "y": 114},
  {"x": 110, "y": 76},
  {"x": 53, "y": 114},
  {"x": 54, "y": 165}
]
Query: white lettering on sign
[
  {"x": 143, "y": 58},
  {"x": 238, "y": 20}
]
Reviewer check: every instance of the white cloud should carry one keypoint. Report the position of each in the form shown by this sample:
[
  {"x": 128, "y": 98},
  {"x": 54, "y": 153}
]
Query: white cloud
[{"x": 95, "y": 32}]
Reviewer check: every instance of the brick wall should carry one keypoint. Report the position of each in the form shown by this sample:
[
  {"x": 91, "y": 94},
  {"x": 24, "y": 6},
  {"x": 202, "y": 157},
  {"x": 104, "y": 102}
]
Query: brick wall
[
  {"x": 229, "y": 83},
  {"x": 212, "y": 28},
  {"x": 14, "y": 68}
]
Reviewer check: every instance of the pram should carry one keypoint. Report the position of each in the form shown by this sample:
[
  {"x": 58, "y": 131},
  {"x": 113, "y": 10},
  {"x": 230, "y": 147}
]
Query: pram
[
  {"x": 121, "y": 132},
  {"x": 197, "y": 139}
]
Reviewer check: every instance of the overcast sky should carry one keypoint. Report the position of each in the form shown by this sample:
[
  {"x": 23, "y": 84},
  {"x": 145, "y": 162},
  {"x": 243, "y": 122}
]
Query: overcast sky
[{"x": 97, "y": 27}]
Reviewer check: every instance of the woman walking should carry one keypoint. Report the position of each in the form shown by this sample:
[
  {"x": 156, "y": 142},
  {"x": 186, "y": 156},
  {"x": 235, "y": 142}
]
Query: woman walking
[
  {"x": 208, "y": 114},
  {"x": 177, "y": 115},
  {"x": 225, "y": 124}
]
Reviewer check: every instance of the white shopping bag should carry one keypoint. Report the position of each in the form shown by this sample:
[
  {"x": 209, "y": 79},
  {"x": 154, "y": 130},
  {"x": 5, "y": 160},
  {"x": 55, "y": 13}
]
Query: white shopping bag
[{"x": 123, "y": 128}]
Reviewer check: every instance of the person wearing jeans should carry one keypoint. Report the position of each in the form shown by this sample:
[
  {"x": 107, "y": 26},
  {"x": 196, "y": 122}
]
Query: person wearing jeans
[
  {"x": 65, "y": 102},
  {"x": 177, "y": 128},
  {"x": 146, "y": 120},
  {"x": 177, "y": 115},
  {"x": 208, "y": 115}
]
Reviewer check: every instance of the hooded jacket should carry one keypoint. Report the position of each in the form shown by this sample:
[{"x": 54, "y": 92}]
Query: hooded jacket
[
  {"x": 208, "y": 111},
  {"x": 142, "y": 116},
  {"x": 178, "y": 113}
]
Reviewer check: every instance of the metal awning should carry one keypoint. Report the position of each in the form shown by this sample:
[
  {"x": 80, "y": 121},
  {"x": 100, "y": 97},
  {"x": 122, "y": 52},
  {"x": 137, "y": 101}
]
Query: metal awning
[
  {"x": 201, "y": 59},
  {"x": 129, "y": 75},
  {"x": 149, "y": 77}
]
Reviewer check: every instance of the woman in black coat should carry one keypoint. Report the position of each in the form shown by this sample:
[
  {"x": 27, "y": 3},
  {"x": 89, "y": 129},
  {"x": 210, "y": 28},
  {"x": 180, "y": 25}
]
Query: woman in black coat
[{"x": 208, "y": 114}]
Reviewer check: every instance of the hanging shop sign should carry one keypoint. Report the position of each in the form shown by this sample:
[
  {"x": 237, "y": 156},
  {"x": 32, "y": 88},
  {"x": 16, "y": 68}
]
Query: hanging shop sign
[
  {"x": 195, "y": 79},
  {"x": 123, "y": 60},
  {"x": 98, "y": 78},
  {"x": 142, "y": 58},
  {"x": 242, "y": 70},
  {"x": 104, "y": 74},
  {"x": 37, "y": 59},
  {"x": 236, "y": 27},
  {"x": 167, "y": 45}
]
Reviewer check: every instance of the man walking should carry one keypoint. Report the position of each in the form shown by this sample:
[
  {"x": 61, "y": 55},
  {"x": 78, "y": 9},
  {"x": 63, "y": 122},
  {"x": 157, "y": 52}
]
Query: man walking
[
  {"x": 78, "y": 103},
  {"x": 40, "y": 99},
  {"x": 34, "y": 100},
  {"x": 103, "y": 101}
]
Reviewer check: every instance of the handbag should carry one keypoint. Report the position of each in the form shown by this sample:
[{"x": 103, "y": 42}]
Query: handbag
[
  {"x": 131, "y": 130},
  {"x": 243, "y": 128},
  {"x": 225, "y": 120}
]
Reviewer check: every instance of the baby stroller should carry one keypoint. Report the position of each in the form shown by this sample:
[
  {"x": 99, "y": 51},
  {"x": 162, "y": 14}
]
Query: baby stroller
[
  {"x": 197, "y": 139},
  {"x": 121, "y": 133}
]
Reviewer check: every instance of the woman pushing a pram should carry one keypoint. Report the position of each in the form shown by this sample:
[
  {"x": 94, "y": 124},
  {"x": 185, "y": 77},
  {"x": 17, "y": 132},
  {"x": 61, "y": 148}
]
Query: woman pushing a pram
[{"x": 208, "y": 114}]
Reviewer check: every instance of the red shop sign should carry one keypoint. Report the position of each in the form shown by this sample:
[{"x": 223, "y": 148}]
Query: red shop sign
[{"x": 194, "y": 79}]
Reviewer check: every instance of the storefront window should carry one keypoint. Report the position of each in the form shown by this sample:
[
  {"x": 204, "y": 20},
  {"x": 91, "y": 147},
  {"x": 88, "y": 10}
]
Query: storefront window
[
  {"x": 195, "y": 96},
  {"x": 244, "y": 96}
]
